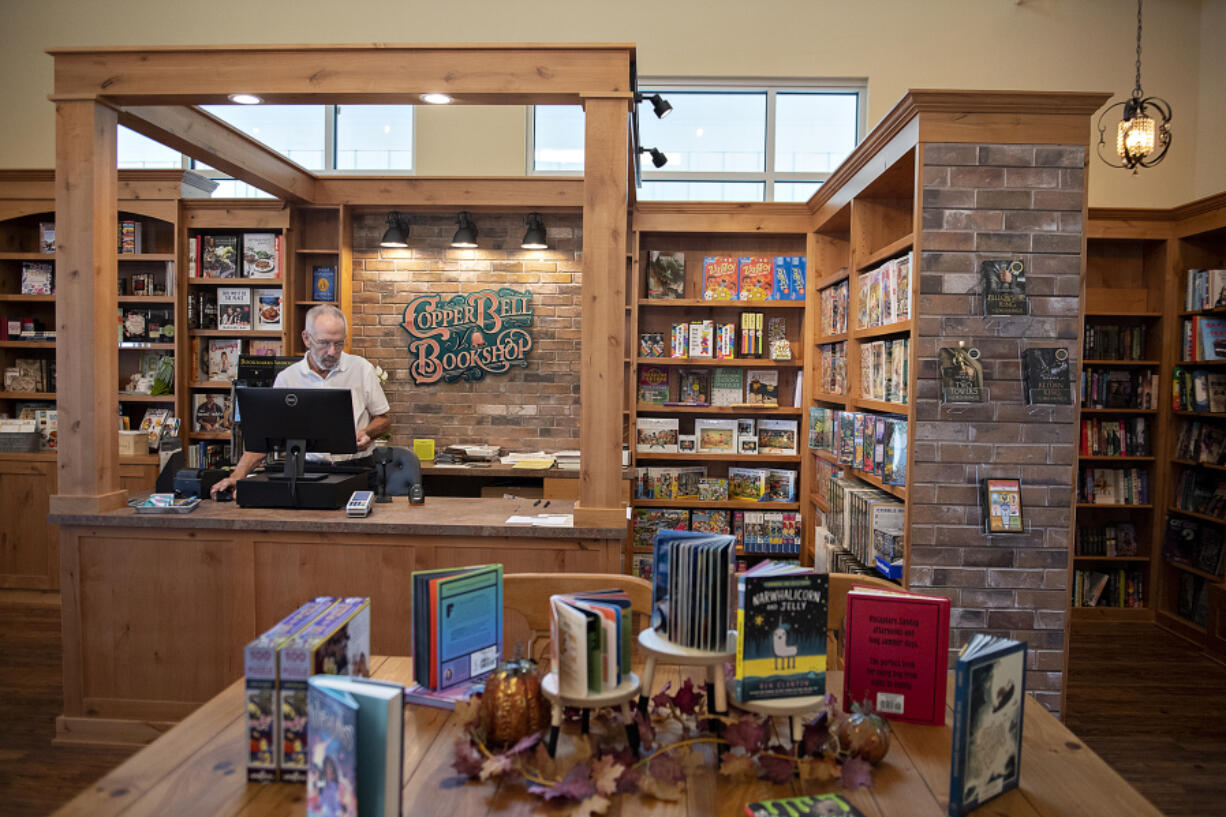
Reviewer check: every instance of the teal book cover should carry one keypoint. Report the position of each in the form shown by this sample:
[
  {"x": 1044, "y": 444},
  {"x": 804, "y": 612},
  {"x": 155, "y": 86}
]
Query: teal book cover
[
  {"x": 468, "y": 611},
  {"x": 378, "y": 738}
]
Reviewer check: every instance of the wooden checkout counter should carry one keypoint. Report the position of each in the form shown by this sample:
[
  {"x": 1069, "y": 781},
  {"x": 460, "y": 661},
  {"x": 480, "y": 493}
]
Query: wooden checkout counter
[{"x": 157, "y": 608}]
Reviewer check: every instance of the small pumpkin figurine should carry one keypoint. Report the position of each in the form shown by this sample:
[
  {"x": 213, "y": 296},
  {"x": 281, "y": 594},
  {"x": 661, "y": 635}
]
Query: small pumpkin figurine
[
  {"x": 512, "y": 706},
  {"x": 864, "y": 734}
]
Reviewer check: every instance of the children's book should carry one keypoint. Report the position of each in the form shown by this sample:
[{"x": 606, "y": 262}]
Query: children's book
[
  {"x": 653, "y": 385},
  {"x": 665, "y": 274},
  {"x": 693, "y": 588},
  {"x": 719, "y": 278},
  {"x": 261, "y": 671},
  {"x": 591, "y": 640},
  {"x": 756, "y": 278},
  {"x": 987, "y": 725},
  {"x": 762, "y": 387},
  {"x": 369, "y": 716},
  {"x": 896, "y": 647},
  {"x": 457, "y": 624},
  {"x": 789, "y": 278},
  {"x": 781, "y": 632},
  {"x": 810, "y": 805}
]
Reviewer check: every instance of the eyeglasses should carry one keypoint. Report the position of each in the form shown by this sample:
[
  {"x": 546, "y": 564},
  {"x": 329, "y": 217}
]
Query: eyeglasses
[{"x": 327, "y": 344}]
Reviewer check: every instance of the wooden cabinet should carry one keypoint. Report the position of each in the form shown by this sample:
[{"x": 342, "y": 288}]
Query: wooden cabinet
[
  {"x": 29, "y": 547},
  {"x": 321, "y": 241}
]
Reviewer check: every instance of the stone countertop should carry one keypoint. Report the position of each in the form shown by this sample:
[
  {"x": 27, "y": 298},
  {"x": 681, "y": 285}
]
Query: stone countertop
[{"x": 439, "y": 516}]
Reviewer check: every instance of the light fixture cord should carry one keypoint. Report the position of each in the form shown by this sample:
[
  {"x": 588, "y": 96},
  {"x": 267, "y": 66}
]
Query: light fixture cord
[{"x": 1137, "y": 91}]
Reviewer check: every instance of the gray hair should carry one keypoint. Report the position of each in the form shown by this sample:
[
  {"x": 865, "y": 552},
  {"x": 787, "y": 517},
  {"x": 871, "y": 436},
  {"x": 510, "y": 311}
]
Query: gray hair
[{"x": 316, "y": 312}]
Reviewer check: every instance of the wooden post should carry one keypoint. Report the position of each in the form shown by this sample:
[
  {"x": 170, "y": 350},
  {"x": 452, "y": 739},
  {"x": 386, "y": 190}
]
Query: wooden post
[
  {"x": 86, "y": 187},
  {"x": 603, "y": 347}
]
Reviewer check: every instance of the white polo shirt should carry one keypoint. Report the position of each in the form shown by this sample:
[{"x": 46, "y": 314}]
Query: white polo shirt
[{"x": 352, "y": 372}]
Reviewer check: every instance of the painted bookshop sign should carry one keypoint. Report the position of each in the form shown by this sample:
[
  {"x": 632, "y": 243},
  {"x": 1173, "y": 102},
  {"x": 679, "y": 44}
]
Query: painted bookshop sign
[{"x": 467, "y": 336}]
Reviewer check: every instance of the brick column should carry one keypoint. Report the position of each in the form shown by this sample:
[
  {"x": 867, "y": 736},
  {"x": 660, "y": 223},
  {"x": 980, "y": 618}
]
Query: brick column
[{"x": 984, "y": 202}]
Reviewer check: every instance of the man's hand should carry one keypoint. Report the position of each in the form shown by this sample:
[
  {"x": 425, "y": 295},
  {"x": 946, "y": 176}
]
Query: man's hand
[
  {"x": 363, "y": 441},
  {"x": 221, "y": 485}
]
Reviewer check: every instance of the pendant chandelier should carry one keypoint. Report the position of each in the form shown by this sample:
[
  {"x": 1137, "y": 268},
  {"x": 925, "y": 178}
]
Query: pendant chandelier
[{"x": 1143, "y": 135}]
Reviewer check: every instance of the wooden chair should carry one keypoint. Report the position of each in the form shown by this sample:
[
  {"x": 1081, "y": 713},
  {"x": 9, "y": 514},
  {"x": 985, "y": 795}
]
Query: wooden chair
[
  {"x": 836, "y": 612},
  {"x": 526, "y": 595}
]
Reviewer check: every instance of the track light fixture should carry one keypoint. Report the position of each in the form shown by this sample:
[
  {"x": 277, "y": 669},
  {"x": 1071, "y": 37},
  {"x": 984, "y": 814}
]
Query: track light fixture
[
  {"x": 397, "y": 232},
  {"x": 659, "y": 105},
  {"x": 466, "y": 236},
  {"x": 534, "y": 238},
  {"x": 657, "y": 156}
]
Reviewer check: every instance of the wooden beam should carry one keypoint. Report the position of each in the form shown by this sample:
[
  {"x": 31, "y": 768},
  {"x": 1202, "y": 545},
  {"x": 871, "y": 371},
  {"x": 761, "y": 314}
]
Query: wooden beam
[
  {"x": 208, "y": 139},
  {"x": 761, "y": 218},
  {"x": 87, "y": 366},
  {"x": 539, "y": 193},
  {"x": 603, "y": 346},
  {"x": 517, "y": 74}
]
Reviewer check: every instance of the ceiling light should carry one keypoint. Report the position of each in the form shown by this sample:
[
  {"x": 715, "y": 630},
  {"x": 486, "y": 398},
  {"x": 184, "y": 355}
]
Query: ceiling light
[
  {"x": 534, "y": 238},
  {"x": 659, "y": 105},
  {"x": 397, "y": 232},
  {"x": 245, "y": 99},
  {"x": 657, "y": 156},
  {"x": 1139, "y": 140},
  {"x": 466, "y": 236},
  {"x": 436, "y": 99}
]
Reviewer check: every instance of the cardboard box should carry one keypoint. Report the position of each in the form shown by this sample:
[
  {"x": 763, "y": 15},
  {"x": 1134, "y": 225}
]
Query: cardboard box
[
  {"x": 336, "y": 643},
  {"x": 132, "y": 443},
  {"x": 261, "y": 659}
]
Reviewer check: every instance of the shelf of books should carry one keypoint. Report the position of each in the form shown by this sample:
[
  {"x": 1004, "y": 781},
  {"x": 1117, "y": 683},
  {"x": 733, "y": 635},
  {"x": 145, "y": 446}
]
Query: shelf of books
[
  {"x": 1122, "y": 431},
  {"x": 322, "y": 266},
  {"x": 716, "y": 412},
  {"x": 863, "y": 375},
  {"x": 235, "y": 291}
]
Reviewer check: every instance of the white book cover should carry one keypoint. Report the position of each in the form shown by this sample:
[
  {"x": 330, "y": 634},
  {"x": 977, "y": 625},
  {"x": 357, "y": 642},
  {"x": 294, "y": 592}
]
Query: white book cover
[
  {"x": 233, "y": 308},
  {"x": 569, "y": 648},
  {"x": 261, "y": 255}
]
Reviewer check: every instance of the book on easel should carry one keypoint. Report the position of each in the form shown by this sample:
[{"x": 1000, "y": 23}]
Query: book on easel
[
  {"x": 457, "y": 624},
  {"x": 781, "y": 632}
]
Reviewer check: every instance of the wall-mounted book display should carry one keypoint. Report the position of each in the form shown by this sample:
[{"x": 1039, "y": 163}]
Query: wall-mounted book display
[
  {"x": 1046, "y": 375},
  {"x": 1002, "y": 505},
  {"x": 1004, "y": 287},
  {"x": 961, "y": 375}
]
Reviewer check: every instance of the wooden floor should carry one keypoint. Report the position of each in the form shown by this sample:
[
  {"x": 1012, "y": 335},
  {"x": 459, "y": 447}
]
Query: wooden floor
[{"x": 1146, "y": 701}]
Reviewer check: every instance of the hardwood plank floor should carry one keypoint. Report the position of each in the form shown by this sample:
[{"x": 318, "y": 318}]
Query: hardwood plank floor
[{"x": 1145, "y": 700}]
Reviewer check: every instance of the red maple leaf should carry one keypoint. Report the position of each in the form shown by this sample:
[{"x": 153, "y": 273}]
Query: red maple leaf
[
  {"x": 662, "y": 699},
  {"x": 467, "y": 761},
  {"x": 816, "y": 735},
  {"x": 666, "y": 769},
  {"x": 857, "y": 774},
  {"x": 687, "y": 698},
  {"x": 747, "y": 733},
  {"x": 777, "y": 769}
]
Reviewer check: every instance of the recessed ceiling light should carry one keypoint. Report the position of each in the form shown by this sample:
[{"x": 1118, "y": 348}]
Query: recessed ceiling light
[
  {"x": 436, "y": 99},
  {"x": 245, "y": 99}
]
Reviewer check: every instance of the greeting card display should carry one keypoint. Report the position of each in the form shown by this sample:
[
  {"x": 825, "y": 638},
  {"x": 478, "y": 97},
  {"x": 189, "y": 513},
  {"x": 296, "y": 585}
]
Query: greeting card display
[{"x": 1002, "y": 505}]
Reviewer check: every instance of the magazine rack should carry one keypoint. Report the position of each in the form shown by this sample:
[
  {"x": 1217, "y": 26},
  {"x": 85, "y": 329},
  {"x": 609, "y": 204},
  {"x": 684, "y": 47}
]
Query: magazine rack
[
  {"x": 793, "y": 708},
  {"x": 620, "y": 696},
  {"x": 660, "y": 650}
]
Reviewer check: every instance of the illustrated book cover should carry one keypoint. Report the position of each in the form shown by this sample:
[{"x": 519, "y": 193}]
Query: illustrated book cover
[
  {"x": 756, "y": 278},
  {"x": 653, "y": 385},
  {"x": 233, "y": 308},
  {"x": 1004, "y": 287},
  {"x": 781, "y": 632},
  {"x": 762, "y": 387},
  {"x": 1002, "y": 505},
  {"x": 376, "y": 731},
  {"x": 810, "y": 805},
  {"x": 961, "y": 375},
  {"x": 987, "y": 725},
  {"x": 896, "y": 648},
  {"x": 719, "y": 278},
  {"x": 332, "y": 772},
  {"x": 1045, "y": 376},
  {"x": 665, "y": 275},
  {"x": 266, "y": 309},
  {"x": 218, "y": 256},
  {"x": 261, "y": 255}
]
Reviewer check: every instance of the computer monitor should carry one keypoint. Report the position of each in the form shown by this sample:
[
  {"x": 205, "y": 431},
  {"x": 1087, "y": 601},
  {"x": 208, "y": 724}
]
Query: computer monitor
[{"x": 298, "y": 421}]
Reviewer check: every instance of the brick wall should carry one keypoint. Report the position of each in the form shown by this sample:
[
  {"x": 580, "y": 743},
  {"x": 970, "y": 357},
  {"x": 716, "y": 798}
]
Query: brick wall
[
  {"x": 985, "y": 202},
  {"x": 536, "y": 407}
]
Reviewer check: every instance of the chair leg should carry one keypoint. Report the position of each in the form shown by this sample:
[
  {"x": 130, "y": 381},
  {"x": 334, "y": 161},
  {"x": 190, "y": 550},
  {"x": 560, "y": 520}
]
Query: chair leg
[
  {"x": 555, "y": 724},
  {"x": 632, "y": 728},
  {"x": 585, "y": 722},
  {"x": 649, "y": 672}
]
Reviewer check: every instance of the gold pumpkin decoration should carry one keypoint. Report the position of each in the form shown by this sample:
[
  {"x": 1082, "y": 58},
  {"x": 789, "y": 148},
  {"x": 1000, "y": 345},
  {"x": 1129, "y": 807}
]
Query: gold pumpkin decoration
[
  {"x": 866, "y": 736},
  {"x": 512, "y": 706}
]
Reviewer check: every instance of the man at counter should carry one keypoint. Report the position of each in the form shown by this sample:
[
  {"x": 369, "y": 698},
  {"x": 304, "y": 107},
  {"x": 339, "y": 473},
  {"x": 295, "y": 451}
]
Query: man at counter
[{"x": 327, "y": 366}]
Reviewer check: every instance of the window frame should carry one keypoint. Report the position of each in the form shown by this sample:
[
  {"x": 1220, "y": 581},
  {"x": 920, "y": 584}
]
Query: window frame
[{"x": 857, "y": 86}]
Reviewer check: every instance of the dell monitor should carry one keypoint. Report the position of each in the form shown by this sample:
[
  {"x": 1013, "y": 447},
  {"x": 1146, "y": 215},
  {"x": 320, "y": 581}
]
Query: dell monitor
[{"x": 297, "y": 421}]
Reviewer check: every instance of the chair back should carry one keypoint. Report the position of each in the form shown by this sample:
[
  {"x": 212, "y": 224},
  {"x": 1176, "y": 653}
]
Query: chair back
[
  {"x": 526, "y": 595},
  {"x": 836, "y": 612},
  {"x": 403, "y": 471}
]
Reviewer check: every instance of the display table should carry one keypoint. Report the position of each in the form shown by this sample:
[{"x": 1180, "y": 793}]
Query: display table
[
  {"x": 156, "y": 609},
  {"x": 197, "y": 769}
]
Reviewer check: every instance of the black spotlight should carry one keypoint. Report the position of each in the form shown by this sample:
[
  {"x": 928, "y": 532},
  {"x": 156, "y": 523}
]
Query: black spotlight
[
  {"x": 397, "y": 232},
  {"x": 659, "y": 105},
  {"x": 466, "y": 235},
  {"x": 657, "y": 156},
  {"x": 534, "y": 238}
]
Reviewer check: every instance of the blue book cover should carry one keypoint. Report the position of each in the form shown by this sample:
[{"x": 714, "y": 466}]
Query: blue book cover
[
  {"x": 457, "y": 624},
  {"x": 323, "y": 284},
  {"x": 781, "y": 633},
  {"x": 332, "y": 717},
  {"x": 789, "y": 282},
  {"x": 378, "y": 739},
  {"x": 987, "y": 725}
]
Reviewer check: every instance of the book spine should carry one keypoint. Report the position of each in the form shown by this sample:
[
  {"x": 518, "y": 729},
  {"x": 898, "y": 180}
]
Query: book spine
[{"x": 957, "y": 762}]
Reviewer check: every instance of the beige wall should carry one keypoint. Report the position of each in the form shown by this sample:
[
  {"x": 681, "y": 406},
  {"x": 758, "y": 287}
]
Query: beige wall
[{"x": 897, "y": 44}]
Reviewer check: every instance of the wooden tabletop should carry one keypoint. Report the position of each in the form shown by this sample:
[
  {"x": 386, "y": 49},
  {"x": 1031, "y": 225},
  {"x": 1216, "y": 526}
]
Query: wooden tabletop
[{"x": 197, "y": 768}]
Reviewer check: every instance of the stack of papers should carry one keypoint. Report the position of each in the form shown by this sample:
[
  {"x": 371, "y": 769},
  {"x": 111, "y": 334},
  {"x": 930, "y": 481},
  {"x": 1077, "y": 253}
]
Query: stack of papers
[
  {"x": 474, "y": 453},
  {"x": 549, "y": 520},
  {"x": 536, "y": 460},
  {"x": 567, "y": 460}
]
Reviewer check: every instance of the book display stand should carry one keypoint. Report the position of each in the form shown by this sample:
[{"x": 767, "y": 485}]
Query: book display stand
[
  {"x": 793, "y": 708},
  {"x": 619, "y": 697},
  {"x": 660, "y": 650}
]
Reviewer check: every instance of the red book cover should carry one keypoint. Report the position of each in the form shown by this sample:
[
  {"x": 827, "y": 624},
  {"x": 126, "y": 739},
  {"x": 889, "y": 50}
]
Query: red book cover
[
  {"x": 897, "y": 654},
  {"x": 757, "y": 279}
]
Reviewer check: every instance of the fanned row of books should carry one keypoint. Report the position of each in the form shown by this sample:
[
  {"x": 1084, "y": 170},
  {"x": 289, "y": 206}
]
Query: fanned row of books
[
  {"x": 1114, "y": 486},
  {"x": 873, "y": 443},
  {"x": 1114, "y": 341},
  {"x": 833, "y": 303},
  {"x": 1117, "y": 539},
  {"x": 1119, "y": 388},
  {"x": 1115, "y": 438},
  {"x": 1195, "y": 544},
  {"x": 1205, "y": 289},
  {"x": 1120, "y": 587},
  {"x": 833, "y": 368},
  {"x": 884, "y": 370},
  {"x": 1198, "y": 390},
  {"x": 1202, "y": 493},
  {"x": 868, "y": 523},
  {"x": 1201, "y": 442},
  {"x": 692, "y": 588},
  {"x": 591, "y": 638},
  {"x": 885, "y": 294},
  {"x": 1204, "y": 338}
]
